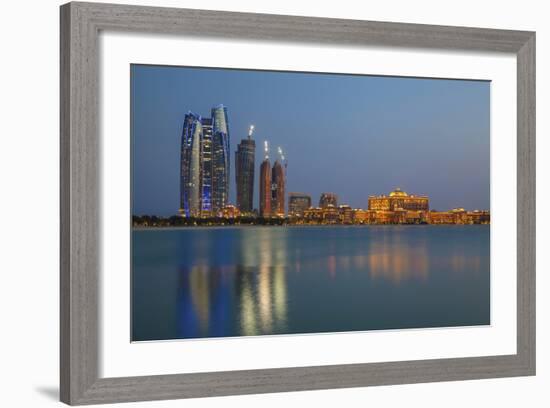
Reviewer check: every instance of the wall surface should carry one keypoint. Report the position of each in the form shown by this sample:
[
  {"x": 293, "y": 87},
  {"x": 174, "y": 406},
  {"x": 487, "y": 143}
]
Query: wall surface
[{"x": 29, "y": 204}]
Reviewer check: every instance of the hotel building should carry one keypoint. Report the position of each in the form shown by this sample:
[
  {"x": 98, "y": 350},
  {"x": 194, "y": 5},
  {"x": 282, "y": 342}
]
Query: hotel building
[
  {"x": 345, "y": 214},
  {"x": 399, "y": 200},
  {"x": 459, "y": 216}
]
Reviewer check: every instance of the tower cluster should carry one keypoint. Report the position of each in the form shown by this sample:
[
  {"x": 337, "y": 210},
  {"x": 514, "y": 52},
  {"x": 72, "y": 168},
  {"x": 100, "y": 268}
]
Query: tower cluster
[
  {"x": 272, "y": 185},
  {"x": 204, "y": 164},
  {"x": 205, "y": 169}
]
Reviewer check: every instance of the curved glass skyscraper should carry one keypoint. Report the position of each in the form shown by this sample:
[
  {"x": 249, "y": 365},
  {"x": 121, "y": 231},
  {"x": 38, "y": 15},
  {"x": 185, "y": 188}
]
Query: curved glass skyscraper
[
  {"x": 190, "y": 180},
  {"x": 220, "y": 158},
  {"x": 204, "y": 165}
]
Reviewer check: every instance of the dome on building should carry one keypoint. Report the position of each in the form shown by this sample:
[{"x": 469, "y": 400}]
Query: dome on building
[{"x": 398, "y": 193}]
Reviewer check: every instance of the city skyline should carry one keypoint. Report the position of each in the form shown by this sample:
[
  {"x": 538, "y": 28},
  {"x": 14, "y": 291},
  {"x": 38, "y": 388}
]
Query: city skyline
[{"x": 466, "y": 181}]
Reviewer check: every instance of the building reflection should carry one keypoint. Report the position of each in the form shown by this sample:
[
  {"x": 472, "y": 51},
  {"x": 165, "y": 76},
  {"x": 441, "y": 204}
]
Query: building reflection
[
  {"x": 254, "y": 292},
  {"x": 200, "y": 293},
  {"x": 331, "y": 264},
  {"x": 262, "y": 286},
  {"x": 245, "y": 290},
  {"x": 396, "y": 260},
  {"x": 203, "y": 301},
  {"x": 263, "y": 300},
  {"x": 459, "y": 262},
  {"x": 248, "y": 318}
]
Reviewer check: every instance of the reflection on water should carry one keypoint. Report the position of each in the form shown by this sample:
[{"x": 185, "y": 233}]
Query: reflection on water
[
  {"x": 396, "y": 259},
  {"x": 262, "y": 300},
  {"x": 259, "y": 284},
  {"x": 191, "y": 283},
  {"x": 202, "y": 301}
]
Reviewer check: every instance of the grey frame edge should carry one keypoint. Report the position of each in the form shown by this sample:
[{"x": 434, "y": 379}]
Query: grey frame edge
[{"x": 79, "y": 178}]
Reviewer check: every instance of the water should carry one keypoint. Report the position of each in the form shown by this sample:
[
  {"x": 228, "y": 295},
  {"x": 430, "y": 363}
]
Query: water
[{"x": 220, "y": 282}]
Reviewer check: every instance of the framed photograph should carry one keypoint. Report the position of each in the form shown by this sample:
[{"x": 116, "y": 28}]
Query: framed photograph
[{"x": 259, "y": 203}]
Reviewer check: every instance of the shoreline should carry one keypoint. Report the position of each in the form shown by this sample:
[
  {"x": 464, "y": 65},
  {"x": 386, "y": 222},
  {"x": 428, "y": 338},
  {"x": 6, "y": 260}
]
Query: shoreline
[{"x": 179, "y": 227}]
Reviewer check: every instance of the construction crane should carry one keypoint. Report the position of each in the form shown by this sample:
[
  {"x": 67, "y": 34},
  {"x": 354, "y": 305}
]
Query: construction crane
[{"x": 282, "y": 155}]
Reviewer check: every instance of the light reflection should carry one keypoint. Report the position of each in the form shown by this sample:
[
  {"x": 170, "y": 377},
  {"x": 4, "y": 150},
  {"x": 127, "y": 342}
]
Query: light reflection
[
  {"x": 203, "y": 299},
  {"x": 264, "y": 299},
  {"x": 198, "y": 283},
  {"x": 238, "y": 284},
  {"x": 459, "y": 262},
  {"x": 331, "y": 265},
  {"x": 263, "y": 288},
  {"x": 248, "y": 315},
  {"x": 207, "y": 292},
  {"x": 345, "y": 262},
  {"x": 360, "y": 261},
  {"x": 280, "y": 296},
  {"x": 397, "y": 260}
]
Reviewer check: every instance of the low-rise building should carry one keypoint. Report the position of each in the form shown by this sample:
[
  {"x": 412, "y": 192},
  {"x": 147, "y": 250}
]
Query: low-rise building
[
  {"x": 442, "y": 217},
  {"x": 361, "y": 216},
  {"x": 313, "y": 215},
  {"x": 345, "y": 214},
  {"x": 479, "y": 217},
  {"x": 229, "y": 211}
]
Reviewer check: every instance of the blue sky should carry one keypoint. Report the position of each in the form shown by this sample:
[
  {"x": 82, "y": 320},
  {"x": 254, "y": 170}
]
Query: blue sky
[{"x": 349, "y": 134}]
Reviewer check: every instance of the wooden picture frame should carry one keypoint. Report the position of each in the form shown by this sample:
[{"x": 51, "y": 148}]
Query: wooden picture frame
[{"x": 80, "y": 235}]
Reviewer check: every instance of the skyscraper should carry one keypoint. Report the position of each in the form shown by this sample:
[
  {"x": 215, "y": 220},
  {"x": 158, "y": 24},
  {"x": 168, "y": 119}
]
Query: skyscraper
[
  {"x": 206, "y": 167},
  {"x": 204, "y": 164},
  {"x": 190, "y": 166},
  {"x": 327, "y": 199},
  {"x": 265, "y": 185},
  {"x": 220, "y": 158},
  {"x": 298, "y": 203},
  {"x": 244, "y": 172},
  {"x": 278, "y": 189}
]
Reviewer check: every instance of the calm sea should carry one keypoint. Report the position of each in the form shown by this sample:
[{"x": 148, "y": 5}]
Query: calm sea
[{"x": 241, "y": 281}]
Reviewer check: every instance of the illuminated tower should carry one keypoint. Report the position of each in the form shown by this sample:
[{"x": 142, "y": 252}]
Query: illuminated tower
[
  {"x": 190, "y": 165},
  {"x": 244, "y": 172},
  {"x": 278, "y": 186},
  {"x": 204, "y": 164},
  {"x": 220, "y": 158},
  {"x": 206, "y": 168},
  {"x": 265, "y": 184}
]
